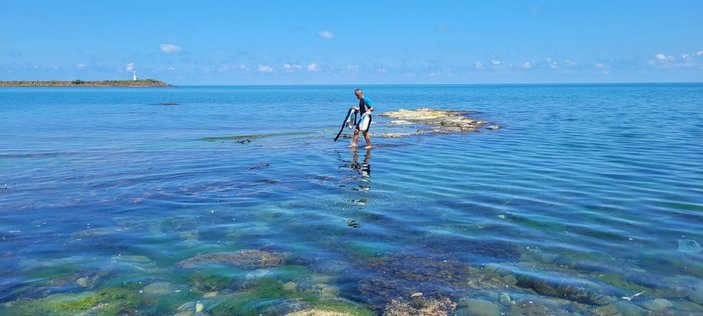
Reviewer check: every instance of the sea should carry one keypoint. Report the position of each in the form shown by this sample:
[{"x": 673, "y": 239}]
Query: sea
[{"x": 235, "y": 200}]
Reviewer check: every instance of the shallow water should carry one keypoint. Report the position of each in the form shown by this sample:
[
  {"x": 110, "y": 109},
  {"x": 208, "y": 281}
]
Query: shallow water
[{"x": 598, "y": 187}]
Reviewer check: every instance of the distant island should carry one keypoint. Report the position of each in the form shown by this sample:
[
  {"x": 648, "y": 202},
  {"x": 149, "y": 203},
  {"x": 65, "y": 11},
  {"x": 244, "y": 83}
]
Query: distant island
[{"x": 141, "y": 83}]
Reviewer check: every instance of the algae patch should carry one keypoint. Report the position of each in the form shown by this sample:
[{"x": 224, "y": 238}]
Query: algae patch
[
  {"x": 246, "y": 259},
  {"x": 110, "y": 301},
  {"x": 249, "y": 138}
]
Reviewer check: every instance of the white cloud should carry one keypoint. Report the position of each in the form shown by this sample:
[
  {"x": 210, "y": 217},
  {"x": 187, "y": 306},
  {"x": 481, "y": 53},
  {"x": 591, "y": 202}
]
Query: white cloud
[
  {"x": 552, "y": 64},
  {"x": 243, "y": 67},
  {"x": 353, "y": 67},
  {"x": 265, "y": 68},
  {"x": 603, "y": 67},
  {"x": 326, "y": 35},
  {"x": 664, "y": 58},
  {"x": 313, "y": 67},
  {"x": 526, "y": 65},
  {"x": 223, "y": 68},
  {"x": 685, "y": 60},
  {"x": 171, "y": 68},
  {"x": 478, "y": 65},
  {"x": 496, "y": 62},
  {"x": 81, "y": 66},
  {"x": 292, "y": 67},
  {"x": 129, "y": 67},
  {"x": 569, "y": 63},
  {"x": 382, "y": 70},
  {"x": 170, "y": 48}
]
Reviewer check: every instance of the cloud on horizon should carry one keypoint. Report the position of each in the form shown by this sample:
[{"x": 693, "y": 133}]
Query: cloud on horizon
[
  {"x": 170, "y": 48},
  {"x": 129, "y": 67},
  {"x": 265, "y": 69},
  {"x": 292, "y": 67},
  {"x": 313, "y": 67}
]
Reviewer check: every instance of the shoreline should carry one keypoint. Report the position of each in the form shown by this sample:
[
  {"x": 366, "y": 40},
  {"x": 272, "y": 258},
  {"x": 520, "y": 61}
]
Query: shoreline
[{"x": 142, "y": 83}]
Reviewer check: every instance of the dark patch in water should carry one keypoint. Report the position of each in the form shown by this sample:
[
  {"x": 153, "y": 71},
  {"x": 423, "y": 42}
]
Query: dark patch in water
[
  {"x": 572, "y": 291},
  {"x": 473, "y": 248},
  {"x": 353, "y": 223},
  {"x": 245, "y": 259},
  {"x": 250, "y": 137},
  {"x": 403, "y": 274},
  {"x": 166, "y": 103},
  {"x": 260, "y": 166}
]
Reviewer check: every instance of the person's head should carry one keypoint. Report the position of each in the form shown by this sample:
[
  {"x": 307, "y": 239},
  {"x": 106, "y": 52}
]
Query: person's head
[{"x": 359, "y": 94}]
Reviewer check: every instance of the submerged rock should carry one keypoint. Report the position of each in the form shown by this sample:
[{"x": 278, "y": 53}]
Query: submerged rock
[
  {"x": 330, "y": 291},
  {"x": 191, "y": 309},
  {"x": 533, "y": 308},
  {"x": 108, "y": 301},
  {"x": 606, "y": 310},
  {"x": 335, "y": 307},
  {"x": 697, "y": 296},
  {"x": 414, "y": 268},
  {"x": 245, "y": 259},
  {"x": 402, "y": 274},
  {"x": 689, "y": 246},
  {"x": 505, "y": 299},
  {"x": 84, "y": 278},
  {"x": 158, "y": 288},
  {"x": 572, "y": 291},
  {"x": 629, "y": 309},
  {"x": 317, "y": 312},
  {"x": 478, "y": 307},
  {"x": 420, "y": 306},
  {"x": 657, "y": 304}
]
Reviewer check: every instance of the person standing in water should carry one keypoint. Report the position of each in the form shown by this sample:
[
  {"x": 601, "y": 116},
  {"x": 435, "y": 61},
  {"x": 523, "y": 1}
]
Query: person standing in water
[{"x": 364, "y": 105}]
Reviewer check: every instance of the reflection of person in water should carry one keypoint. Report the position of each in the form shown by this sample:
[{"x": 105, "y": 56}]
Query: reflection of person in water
[
  {"x": 364, "y": 168},
  {"x": 363, "y": 181}
]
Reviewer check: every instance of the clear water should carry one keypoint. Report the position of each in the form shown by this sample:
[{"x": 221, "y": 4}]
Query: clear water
[{"x": 592, "y": 186}]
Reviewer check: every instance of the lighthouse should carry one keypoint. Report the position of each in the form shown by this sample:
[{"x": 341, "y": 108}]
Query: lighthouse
[{"x": 134, "y": 75}]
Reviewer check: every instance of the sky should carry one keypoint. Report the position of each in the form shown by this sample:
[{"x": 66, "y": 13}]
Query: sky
[{"x": 353, "y": 42}]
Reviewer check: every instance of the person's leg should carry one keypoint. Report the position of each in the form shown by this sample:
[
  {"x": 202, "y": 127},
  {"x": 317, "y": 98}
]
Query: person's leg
[
  {"x": 355, "y": 139},
  {"x": 368, "y": 140}
]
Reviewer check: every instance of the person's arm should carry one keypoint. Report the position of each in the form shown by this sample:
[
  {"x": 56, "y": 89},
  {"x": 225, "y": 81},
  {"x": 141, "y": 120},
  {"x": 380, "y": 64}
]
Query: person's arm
[{"x": 368, "y": 104}]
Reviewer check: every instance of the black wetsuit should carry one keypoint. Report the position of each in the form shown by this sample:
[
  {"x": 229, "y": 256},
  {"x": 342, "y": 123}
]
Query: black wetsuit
[{"x": 364, "y": 104}]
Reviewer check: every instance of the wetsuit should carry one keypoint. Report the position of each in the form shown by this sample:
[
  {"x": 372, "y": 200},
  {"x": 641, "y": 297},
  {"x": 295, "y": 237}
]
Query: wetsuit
[{"x": 364, "y": 104}]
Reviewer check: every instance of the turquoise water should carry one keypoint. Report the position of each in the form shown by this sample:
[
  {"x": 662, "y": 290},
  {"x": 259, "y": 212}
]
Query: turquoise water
[{"x": 587, "y": 194}]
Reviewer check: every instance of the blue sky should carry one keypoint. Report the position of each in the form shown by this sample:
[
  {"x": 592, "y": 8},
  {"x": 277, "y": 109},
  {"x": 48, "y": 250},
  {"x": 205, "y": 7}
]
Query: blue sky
[{"x": 359, "y": 42}]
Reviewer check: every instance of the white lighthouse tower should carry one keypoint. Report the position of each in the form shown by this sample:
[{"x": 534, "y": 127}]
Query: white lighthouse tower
[{"x": 134, "y": 75}]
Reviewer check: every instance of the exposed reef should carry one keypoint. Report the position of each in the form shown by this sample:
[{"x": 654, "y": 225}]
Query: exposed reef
[{"x": 432, "y": 121}]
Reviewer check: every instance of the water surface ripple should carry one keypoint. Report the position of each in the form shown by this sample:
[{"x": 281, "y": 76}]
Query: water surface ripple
[{"x": 587, "y": 194}]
